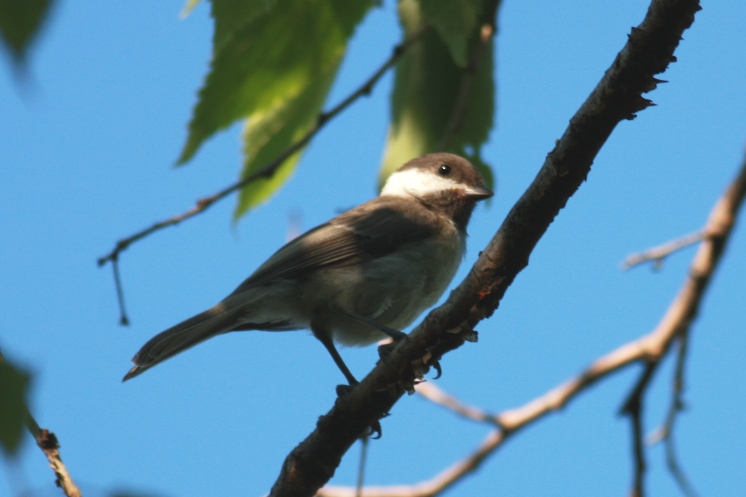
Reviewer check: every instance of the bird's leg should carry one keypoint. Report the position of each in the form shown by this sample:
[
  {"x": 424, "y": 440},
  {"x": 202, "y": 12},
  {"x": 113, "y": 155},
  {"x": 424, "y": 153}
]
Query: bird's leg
[
  {"x": 342, "y": 390},
  {"x": 326, "y": 339},
  {"x": 384, "y": 351},
  {"x": 395, "y": 335}
]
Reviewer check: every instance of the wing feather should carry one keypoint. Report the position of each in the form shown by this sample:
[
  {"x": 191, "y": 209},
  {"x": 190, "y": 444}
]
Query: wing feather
[{"x": 371, "y": 230}]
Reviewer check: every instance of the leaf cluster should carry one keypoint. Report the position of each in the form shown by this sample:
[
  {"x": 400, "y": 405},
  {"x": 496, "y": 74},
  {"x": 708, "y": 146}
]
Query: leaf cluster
[{"x": 274, "y": 64}]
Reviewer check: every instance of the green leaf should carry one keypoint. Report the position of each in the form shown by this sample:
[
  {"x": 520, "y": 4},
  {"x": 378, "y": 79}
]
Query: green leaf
[
  {"x": 267, "y": 134},
  {"x": 454, "y": 21},
  {"x": 13, "y": 388},
  {"x": 20, "y": 22},
  {"x": 230, "y": 15},
  {"x": 271, "y": 59},
  {"x": 427, "y": 91}
]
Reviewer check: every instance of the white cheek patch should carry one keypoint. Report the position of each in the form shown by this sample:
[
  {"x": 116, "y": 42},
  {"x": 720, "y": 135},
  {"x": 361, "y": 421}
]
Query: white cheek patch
[{"x": 416, "y": 183}]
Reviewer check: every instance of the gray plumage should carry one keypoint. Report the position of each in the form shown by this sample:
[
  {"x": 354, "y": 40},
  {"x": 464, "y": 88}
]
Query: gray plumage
[{"x": 385, "y": 261}]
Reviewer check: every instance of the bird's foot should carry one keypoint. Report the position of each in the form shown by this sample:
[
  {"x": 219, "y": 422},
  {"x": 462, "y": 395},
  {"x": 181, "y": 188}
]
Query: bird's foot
[
  {"x": 374, "y": 430},
  {"x": 436, "y": 366},
  {"x": 344, "y": 390},
  {"x": 385, "y": 350}
]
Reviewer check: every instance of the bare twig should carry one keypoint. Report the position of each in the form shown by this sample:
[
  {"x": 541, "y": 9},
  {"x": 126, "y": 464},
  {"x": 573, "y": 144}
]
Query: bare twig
[
  {"x": 48, "y": 443},
  {"x": 633, "y": 407},
  {"x": 647, "y": 350},
  {"x": 676, "y": 470},
  {"x": 267, "y": 171},
  {"x": 123, "y": 319},
  {"x": 659, "y": 253},
  {"x": 681, "y": 316},
  {"x": 364, "y": 444},
  {"x": 665, "y": 433},
  {"x": 434, "y": 394},
  {"x": 618, "y": 96},
  {"x": 677, "y": 406}
]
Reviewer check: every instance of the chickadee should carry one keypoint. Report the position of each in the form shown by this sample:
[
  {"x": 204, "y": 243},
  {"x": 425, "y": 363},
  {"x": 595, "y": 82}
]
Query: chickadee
[{"x": 365, "y": 274}]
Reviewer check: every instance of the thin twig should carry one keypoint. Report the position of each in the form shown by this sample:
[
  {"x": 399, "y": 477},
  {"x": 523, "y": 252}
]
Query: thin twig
[
  {"x": 718, "y": 227},
  {"x": 267, "y": 171},
  {"x": 677, "y": 471},
  {"x": 434, "y": 394},
  {"x": 638, "y": 444},
  {"x": 48, "y": 443},
  {"x": 633, "y": 407},
  {"x": 123, "y": 319},
  {"x": 665, "y": 433},
  {"x": 659, "y": 253},
  {"x": 364, "y": 444},
  {"x": 677, "y": 406},
  {"x": 646, "y": 350}
]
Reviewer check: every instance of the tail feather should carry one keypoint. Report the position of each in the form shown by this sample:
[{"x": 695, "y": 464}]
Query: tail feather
[{"x": 184, "y": 335}]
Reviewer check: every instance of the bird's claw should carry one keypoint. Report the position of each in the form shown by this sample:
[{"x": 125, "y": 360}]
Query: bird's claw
[
  {"x": 436, "y": 366},
  {"x": 374, "y": 430}
]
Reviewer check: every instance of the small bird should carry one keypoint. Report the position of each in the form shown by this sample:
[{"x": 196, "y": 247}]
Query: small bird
[{"x": 366, "y": 274}]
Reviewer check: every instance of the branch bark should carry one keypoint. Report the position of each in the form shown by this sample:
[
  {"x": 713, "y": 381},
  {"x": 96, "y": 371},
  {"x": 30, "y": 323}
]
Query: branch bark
[{"x": 617, "y": 97}]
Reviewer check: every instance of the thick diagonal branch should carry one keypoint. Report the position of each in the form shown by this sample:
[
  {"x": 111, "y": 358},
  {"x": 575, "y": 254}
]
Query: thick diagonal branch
[
  {"x": 618, "y": 96},
  {"x": 647, "y": 349}
]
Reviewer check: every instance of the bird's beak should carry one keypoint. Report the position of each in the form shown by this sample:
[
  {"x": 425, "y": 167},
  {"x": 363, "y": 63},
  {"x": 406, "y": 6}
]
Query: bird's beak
[{"x": 478, "y": 192}]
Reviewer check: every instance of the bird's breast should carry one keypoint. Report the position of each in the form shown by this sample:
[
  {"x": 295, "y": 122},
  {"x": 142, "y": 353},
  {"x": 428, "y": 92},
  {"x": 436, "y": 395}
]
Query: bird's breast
[{"x": 392, "y": 290}]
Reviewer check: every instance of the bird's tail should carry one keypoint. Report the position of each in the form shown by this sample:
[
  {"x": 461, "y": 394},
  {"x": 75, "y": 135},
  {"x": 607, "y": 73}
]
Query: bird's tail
[{"x": 183, "y": 336}]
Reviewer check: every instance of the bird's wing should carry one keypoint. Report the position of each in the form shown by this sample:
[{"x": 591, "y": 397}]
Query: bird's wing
[{"x": 372, "y": 230}]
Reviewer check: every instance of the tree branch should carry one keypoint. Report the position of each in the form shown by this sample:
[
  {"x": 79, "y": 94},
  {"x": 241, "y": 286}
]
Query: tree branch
[
  {"x": 48, "y": 443},
  {"x": 617, "y": 97},
  {"x": 648, "y": 349}
]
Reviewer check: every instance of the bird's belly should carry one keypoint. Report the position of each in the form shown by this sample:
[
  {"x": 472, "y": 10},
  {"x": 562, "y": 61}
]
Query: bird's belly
[{"x": 392, "y": 290}]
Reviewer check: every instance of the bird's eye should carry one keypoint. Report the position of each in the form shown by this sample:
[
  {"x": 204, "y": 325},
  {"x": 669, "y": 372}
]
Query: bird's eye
[{"x": 444, "y": 170}]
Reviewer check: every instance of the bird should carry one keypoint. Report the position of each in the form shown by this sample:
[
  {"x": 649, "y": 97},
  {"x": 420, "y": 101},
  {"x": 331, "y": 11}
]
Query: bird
[{"x": 364, "y": 275}]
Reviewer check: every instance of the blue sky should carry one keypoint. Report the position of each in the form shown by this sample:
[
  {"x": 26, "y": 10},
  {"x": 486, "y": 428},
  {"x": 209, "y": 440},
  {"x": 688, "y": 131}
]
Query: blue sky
[{"x": 86, "y": 158}]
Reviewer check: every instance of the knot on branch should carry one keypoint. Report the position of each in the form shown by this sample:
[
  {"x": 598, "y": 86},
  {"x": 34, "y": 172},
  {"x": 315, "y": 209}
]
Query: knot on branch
[{"x": 46, "y": 440}]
